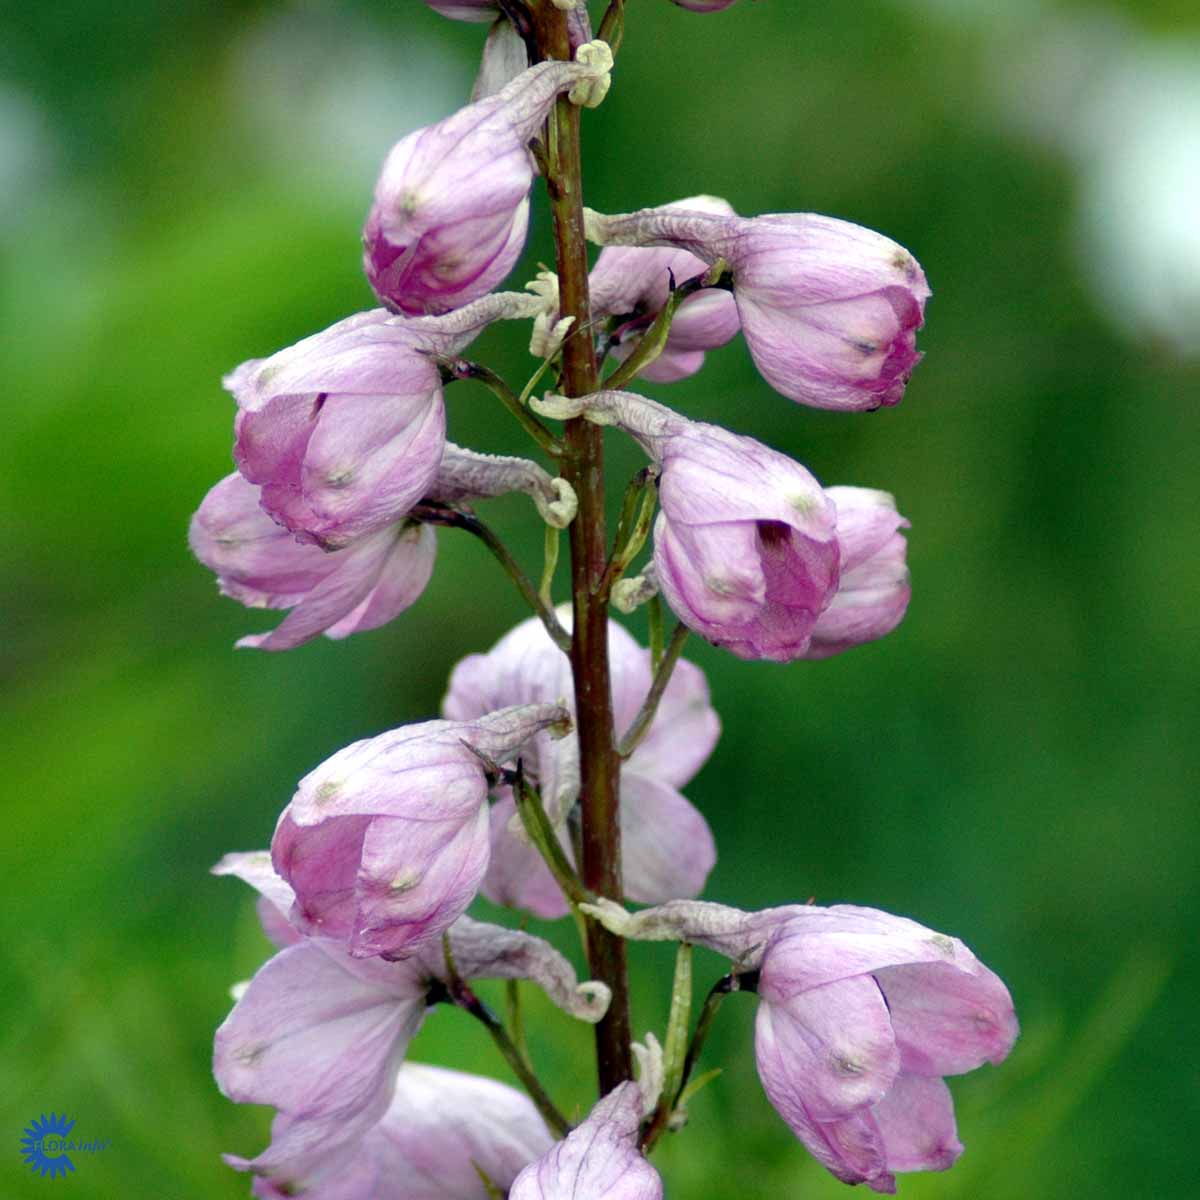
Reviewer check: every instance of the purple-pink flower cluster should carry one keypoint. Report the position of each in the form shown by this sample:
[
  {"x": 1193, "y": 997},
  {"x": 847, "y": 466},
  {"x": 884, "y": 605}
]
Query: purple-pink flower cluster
[{"x": 343, "y": 470}]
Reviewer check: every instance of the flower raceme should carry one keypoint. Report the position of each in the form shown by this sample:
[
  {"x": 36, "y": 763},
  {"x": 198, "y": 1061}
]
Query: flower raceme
[
  {"x": 451, "y": 207},
  {"x": 668, "y": 849},
  {"x": 318, "y": 1035},
  {"x": 829, "y": 309},
  {"x": 598, "y": 1161},
  {"x": 386, "y": 842},
  {"x": 861, "y": 1014}
]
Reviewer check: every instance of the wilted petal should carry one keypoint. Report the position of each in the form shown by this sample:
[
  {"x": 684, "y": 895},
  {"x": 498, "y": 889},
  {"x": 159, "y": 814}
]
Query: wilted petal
[
  {"x": 815, "y": 945},
  {"x": 829, "y": 309},
  {"x": 451, "y": 206},
  {"x": 385, "y": 843},
  {"x": 370, "y": 459},
  {"x": 483, "y": 951},
  {"x": 402, "y": 578},
  {"x": 598, "y": 1161},
  {"x": 440, "y": 1126}
]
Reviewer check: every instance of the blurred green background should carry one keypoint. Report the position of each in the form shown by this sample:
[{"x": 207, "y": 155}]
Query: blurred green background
[{"x": 181, "y": 187}]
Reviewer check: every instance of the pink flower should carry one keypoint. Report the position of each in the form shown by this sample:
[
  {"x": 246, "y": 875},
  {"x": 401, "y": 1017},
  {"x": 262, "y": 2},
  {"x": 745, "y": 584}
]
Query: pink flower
[
  {"x": 319, "y": 1035},
  {"x": 632, "y": 284},
  {"x": 262, "y": 565},
  {"x": 439, "y": 1128},
  {"x": 667, "y": 847},
  {"x": 745, "y": 546},
  {"x": 598, "y": 1161},
  {"x": 830, "y": 310},
  {"x": 861, "y": 1015},
  {"x": 873, "y": 590},
  {"x": 451, "y": 206},
  {"x": 386, "y": 842},
  {"x": 344, "y": 431}
]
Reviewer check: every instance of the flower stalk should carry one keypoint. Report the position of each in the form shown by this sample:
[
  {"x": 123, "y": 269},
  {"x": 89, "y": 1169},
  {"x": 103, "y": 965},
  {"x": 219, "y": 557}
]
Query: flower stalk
[{"x": 583, "y": 468}]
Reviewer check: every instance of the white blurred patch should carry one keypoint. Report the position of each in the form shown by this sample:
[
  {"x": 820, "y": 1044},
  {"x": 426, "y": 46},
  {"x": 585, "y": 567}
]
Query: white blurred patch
[
  {"x": 325, "y": 95},
  {"x": 29, "y": 155},
  {"x": 1126, "y": 108}
]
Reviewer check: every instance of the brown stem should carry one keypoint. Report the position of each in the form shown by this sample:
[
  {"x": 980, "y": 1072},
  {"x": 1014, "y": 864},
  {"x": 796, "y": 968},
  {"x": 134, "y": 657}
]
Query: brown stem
[{"x": 583, "y": 467}]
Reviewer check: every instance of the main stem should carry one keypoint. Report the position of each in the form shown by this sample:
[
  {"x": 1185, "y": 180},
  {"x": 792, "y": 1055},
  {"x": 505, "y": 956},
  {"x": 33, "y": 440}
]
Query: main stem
[{"x": 583, "y": 467}]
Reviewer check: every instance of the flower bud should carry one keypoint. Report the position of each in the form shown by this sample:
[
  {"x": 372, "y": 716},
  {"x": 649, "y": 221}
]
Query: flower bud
[
  {"x": 745, "y": 546},
  {"x": 262, "y": 565},
  {"x": 829, "y": 309},
  {"x": 873, "y": 590},
  {"x": 345, "y": 430},
  {"x": 632, "y": 284},
  {"x": 385, "y": 843},
  {"x": 598, "y": 1161},
  {"x": 667, "y": 847},
  {"x": 451, "y": 206}
]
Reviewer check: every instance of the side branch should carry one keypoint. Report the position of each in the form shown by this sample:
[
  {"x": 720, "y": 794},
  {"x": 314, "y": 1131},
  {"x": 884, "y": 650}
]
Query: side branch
[
  {"x": 662, "y": 677},
  {"x": 453, "y": 518}
]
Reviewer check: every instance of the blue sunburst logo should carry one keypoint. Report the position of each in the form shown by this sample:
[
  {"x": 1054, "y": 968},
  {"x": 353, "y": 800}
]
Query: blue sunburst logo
[{"x": 44, "y": 1143}]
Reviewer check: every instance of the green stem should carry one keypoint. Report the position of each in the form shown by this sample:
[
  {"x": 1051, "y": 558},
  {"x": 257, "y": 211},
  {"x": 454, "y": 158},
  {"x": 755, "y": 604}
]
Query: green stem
[
  {"x": 469, "y": 1002},
  {"x": 549, "y": 565},
  {"x": 612, "y": 25},
  {"x": 633, "y": 527},
  {"x": 542, "y": 834},
  {"x": 712, "y": 1002},
  {"x": 462, "y": 369},
  {"x": 662, "y": 676},
  {"x": 654, "y": 619},
  {"x": 440, "y": 514}
]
